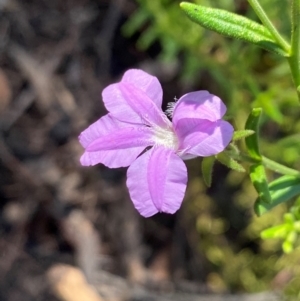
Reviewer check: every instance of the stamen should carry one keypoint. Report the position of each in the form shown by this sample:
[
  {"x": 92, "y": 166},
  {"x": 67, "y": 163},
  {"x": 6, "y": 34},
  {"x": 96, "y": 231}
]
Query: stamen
[{"x": 170, "y": 108}]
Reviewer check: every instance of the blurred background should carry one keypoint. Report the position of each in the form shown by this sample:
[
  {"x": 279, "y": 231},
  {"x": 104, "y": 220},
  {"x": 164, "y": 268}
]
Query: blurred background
[{"x": 71, "y": 233}]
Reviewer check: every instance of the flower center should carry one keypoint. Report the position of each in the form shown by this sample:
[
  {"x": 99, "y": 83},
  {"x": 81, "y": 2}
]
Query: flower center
[{"x": 165, "y": 137}]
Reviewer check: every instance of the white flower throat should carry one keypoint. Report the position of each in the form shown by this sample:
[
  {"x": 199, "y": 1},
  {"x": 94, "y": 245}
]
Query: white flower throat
[{"x": 165, "y": 137}]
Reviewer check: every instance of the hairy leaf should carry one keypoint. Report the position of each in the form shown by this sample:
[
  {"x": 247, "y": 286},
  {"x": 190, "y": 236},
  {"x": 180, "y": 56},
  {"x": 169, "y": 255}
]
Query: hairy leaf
[{"x": 232, "y": 25}]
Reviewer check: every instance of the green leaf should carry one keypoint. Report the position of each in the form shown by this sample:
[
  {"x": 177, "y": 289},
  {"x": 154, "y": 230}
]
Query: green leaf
[
  {"x": 280, "y": 231},
  {"x": 265, "y": 100},
  {"x": 297, "y": 226},
  {"x": 281, "y": 190},
  {"x": 288, "y": 244},
  {"x": 232, "y": 149},
  {"x": 233, "y": 26},
  {"x": 292, "y": 236},
  {"x": 252, "y": 123},
  {"x": 259, "y": 180},
  {"x": 207, "y": 168},
  {"x": 135, "y": 22},
  {"x": 238, "y": 135},
  {"x": 288, "y": 218},
  {"x": 287, "y": 247},
  {"x": 147, "y": 38},
  {"x": 229, "y": 162}
]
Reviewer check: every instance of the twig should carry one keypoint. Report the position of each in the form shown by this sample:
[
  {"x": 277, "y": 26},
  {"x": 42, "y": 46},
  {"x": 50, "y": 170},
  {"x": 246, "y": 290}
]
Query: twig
[
  {"x": 85, "y": 239},
  {"x": 10, "y": 116},
  {"x": 49, "y": 89},
  {"x": 69, "y": 284}
]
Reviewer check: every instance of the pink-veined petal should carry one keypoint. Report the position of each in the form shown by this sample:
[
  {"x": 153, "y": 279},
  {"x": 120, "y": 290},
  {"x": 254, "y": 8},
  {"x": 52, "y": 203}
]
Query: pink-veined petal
[
  {"x": 130, "y": 104},
  {"x": 200, "y": 105},
  {"x": 202, "y": 137},
  {"x": 146, "y": 82},
  {"x": 107, "y": 133},
  {"x": 157, "y": 182},
  {"x": 128, "y": 137}
]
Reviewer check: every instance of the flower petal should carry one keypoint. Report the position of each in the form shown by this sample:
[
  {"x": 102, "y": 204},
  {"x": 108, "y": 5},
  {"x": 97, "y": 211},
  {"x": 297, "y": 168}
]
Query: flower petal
[
  {"x": 157, "y": 182},
  {"x": 130, "y": 104},
  {"x": 146, "y": 82},
  {"x": 202, "y": 137},
  {"x": 113, "y": 143},
  {"x": 123, "y": 138},
  {"x": 199, "y": 104}
]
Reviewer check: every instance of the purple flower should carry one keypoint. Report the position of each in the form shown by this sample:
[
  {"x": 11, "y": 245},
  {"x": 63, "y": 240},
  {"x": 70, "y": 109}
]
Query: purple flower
[{"x": 157, "y": 177}]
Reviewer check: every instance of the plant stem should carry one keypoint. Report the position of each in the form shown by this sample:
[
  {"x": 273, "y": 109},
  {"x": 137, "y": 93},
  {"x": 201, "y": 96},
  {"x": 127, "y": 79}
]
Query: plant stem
[
  {"x": 268, "y": 24},
  {"x": 268, "y": 163},
  {"x": 279, "y": 168},
  {"x": 294, "y": 59}
]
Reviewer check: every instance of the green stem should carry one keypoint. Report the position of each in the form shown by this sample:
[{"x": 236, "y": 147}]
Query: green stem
[
  {"x": 294, "y": 59},
  {"x": 279, "y": 168},
  {"x": 268, "y": 24},
  {"x": 268, "y": 163}
]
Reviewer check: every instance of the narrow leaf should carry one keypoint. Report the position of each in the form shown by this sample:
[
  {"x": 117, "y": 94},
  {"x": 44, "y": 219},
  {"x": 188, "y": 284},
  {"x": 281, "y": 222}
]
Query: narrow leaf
[
  {"x": 281, "y": 190},
  {"x": 238, "y": 135},
  {"x": 280, "y": 231},
  {"x": 135, "y": 22},
  {"x": 233, "y": 149},
  {"x": 287, "y": 247},
  {"x": 207, "y": 168},
  {"x": 233, "y": 26},
  {"x": 229, "y": 162},
  {"x": 252, "y": 123},
  {"x": 259, "y": 180}
]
